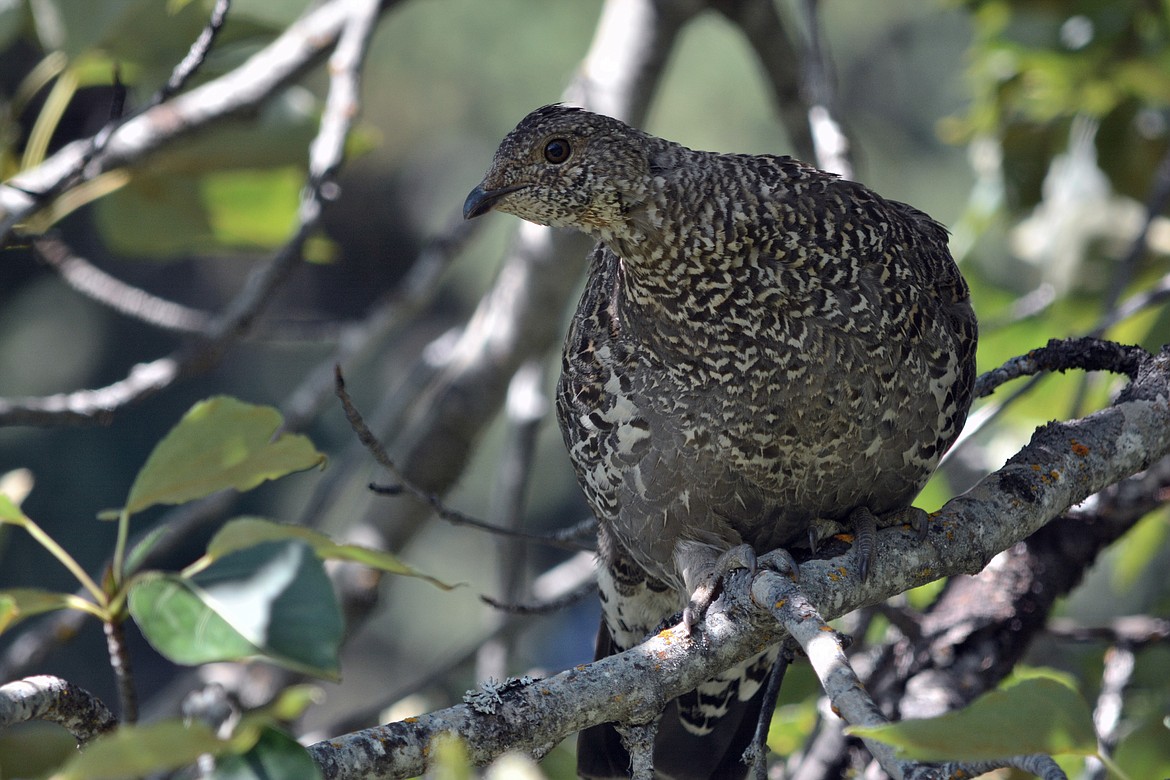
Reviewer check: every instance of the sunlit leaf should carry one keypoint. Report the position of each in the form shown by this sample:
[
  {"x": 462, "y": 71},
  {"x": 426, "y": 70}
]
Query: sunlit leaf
[
  {"x": 1035, "y": 715},
  {"x": 17, "y": 604},
  {"x": 1139, "y": 548},
  {"x": 220, "y": 443},
  {"x": 244, "y": 532},
  {"x": 137, "y": 751},
  {"x": 252, "y": 208},
  {"x": 275, "y": 755},
  {"x": 272, "y": 600}
]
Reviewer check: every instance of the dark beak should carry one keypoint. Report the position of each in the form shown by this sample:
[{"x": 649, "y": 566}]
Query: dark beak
[{"x": 480, "y": 201}]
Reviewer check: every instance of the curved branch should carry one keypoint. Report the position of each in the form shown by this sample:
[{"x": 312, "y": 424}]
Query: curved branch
[
  {"x": 1063, "y": 465},
  {"x": 52, "y": 699}
]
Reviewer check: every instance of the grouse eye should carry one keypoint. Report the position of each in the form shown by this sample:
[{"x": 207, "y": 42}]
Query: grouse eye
[{"x": 557, "y": 151}]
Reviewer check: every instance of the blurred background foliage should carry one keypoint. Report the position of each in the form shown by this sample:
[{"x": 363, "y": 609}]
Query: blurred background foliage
[{"x": 1037, "y": 130}]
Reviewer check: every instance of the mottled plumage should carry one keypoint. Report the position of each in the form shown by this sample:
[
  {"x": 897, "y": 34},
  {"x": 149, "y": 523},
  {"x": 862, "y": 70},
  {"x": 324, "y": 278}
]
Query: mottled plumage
[{"x": 760, "y": 346}]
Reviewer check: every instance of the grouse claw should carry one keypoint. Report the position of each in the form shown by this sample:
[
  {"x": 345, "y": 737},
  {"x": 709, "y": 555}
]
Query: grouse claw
[{"x": 741, "y": 556}]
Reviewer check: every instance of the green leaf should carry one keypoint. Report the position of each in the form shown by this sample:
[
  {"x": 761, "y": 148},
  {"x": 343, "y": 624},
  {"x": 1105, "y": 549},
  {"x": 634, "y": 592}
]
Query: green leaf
[
  {"x": 272, "y": 600},
  {"x": 136, "y": 751},
  {"x": 16, "y": 604},
  {"x": 1035, "y": 715},
  {"x": 1138, "y": 549},
  {"x": 254, "y": 207},
  {"x": 142, "y": 549},
  {"x": 274, "y": 756},
  {"x": 155, "y": 217},
  {"x": 220, "y": 443},
  {"x": 245, "y": 532}
]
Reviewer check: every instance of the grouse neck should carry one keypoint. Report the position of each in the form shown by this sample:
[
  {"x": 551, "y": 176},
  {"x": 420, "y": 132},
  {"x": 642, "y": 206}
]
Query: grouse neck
[{"x": 685, "y": 249}]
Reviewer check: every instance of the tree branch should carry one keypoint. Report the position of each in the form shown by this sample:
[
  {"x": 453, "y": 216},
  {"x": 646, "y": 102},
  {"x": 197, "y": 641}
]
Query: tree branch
[
  {"x": 275, "y": 66},
  {"x": 247, "y": 85},
  {"x": 52, "y": 699},
  {"x": 1064, "y": 464}
]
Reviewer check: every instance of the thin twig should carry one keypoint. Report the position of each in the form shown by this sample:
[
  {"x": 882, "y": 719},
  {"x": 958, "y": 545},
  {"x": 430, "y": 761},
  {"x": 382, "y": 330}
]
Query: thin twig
[
  {"x": 94, "y": 283},
  {"x": 383, "y": 459},
  {"x": 197, "y": 54},
  {"x": 542, "y": 607},
  {"x": 1086, "y": 354},
  {"x": 1136, "y": 631}
]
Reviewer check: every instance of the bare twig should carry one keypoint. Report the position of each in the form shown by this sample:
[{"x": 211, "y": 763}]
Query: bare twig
[
  {"x": 1136, "y": 631},
  {"x": 197, "y": 54},
  {"x": 431, "y": 500},
  {"x": 91, "y": 281},
  {"x": 1086, "y": 354},
  {"x": 52, "y": 699},
  {"x": 555, "y": 585}
]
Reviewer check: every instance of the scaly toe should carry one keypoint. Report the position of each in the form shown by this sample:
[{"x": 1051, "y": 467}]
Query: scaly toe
[
  {"x": 741, "y": 556},
  {"x": 781, "y": 562},
  {"x": 864, "y": 540}
]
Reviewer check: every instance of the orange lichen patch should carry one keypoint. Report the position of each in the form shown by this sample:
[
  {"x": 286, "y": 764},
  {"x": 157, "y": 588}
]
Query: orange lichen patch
[
  {"x": 834, "y": 576},
  {"x": 410, "y": 720},
  {"x": 845, "y": 537},
  {"x": 666, "y": 634},
  {"x": 1078, "y": 449},
  {"x": 618, "y": 697},
  {"x": 1036, "y": 467},
  {"x": 836, "y": 711},
  {"x": 780, "y": 604},
  {"x": 545, "y": 692},
  {"x": 581, "y": 667},
  {"x": 826, "y": 628}
]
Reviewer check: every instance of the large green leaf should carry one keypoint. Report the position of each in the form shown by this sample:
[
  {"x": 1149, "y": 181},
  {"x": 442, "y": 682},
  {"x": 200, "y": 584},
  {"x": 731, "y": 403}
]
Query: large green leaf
[
  {"x": 245, "y": 532},
  {"x": 274, "y": 756},
  {"x": 272, "y": 600},
  {"x": 220, "y": 443},
  {"x": 137, "y": 751},
  {"x": 1034, "y": 715}
]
